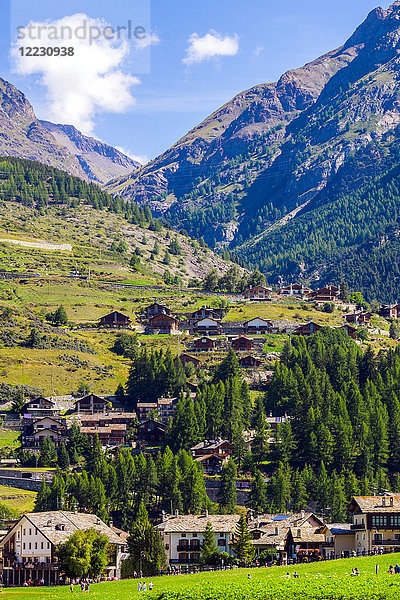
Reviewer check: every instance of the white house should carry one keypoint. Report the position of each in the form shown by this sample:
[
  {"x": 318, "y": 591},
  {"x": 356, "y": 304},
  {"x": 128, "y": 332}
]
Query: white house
[
  {"x": 29, "y": 548},
  {"x": 183, "y": 535}
]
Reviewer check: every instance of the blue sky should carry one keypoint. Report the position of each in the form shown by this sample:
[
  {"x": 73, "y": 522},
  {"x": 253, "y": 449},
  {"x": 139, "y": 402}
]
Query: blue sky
[{"x": 262, "y": 39}]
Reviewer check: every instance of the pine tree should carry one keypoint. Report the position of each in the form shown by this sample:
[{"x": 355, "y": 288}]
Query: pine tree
[
  {"x": 209, "y": 548},
  {"x": 227, "y": 495},
  {"x": 258, "y": 494},
  {"x": 242, "y": 545},
  {"x": 63, "y": 458}
]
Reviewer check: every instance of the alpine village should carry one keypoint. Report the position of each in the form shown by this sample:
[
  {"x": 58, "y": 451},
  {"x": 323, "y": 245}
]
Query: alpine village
[{"x": 200, "y": 375}]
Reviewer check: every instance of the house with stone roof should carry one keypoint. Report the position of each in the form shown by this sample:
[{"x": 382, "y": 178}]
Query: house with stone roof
[
  {"x": 29, "y": 548},
  {"x": 183, "y": 535},
  {"x": 376, "y": 523}
]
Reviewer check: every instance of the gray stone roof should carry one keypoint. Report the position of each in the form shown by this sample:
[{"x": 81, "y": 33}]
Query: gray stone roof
[
  {"x": 198, "y": 523},
  {"x": 58, "y": 526}
]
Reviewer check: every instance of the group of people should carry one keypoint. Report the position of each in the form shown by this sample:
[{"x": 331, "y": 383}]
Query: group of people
[
  {"x": 142, "y": 586},
  {"x": 394, "y": 570},
  {"x": 84, "y": 585},
  {"x": 355, "y": 572}
]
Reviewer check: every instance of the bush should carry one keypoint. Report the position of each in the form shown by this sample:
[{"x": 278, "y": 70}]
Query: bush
[{"x": 328, "y": 307}]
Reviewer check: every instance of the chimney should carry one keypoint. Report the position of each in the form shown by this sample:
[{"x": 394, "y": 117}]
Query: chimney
[
  {"x": 206, "y": 512},
  {"x": 111, "y": 524},
  {"x": 302, "y": 514},
  {"x": 177, "y": 513}
]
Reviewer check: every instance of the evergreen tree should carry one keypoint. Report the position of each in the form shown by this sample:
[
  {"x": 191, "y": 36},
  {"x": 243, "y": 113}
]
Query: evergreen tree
[
  {"x": 258, "y": 494},
  {"x": 227, "y": 495},
  {"x": 242, "y": 545},
  {"x": 209, "y": 548}
]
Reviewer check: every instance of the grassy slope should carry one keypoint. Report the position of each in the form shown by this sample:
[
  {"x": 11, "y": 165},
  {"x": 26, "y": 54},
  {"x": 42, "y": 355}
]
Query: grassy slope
[
  {"x": 9, "y": 439},
  {"x": 91, "y": 233},
  {"x": 17, "y": 499},
  {"x": 59, "y": 371},
  {"x": 317, "y": 581}
]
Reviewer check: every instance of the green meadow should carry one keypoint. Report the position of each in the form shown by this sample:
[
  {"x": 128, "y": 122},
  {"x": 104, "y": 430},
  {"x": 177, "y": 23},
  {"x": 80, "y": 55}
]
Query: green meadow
[{"x": 317, "y": 581}]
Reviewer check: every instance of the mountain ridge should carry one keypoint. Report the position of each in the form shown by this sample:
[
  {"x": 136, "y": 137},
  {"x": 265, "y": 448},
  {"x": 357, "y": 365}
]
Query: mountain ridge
[{"x": 22, "y": 135}]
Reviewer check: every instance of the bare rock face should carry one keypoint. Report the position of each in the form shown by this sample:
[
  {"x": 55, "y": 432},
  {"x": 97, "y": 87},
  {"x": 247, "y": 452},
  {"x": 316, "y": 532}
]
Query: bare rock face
[{"x": 62, "y": 146}]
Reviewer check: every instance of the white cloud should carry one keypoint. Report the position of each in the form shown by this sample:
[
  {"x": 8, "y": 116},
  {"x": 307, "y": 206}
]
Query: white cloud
[
  {"x": 80, "y": 86},
  {"x": 151, "y": 39},
  {"x": 141, "y": 158},
  {"x": 211, "y": 45},
  {"x": 259, "y": 50}
]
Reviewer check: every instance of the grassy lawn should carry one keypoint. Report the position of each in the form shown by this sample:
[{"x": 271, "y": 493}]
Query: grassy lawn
[
  {"x": 16, "y": 499},
  {"x": 9, "y": 439},
  {"x": 283, "y": 310},
  {"x": 317, "y": 581}
]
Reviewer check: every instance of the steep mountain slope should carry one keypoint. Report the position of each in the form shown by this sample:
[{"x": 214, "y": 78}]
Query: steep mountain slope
[
  {"x": 300, "y": 193},
  {"x": 99, "y": 161},
  {"x": 62, "y": 146},
  {"x": 262, "y": 110},
  {"x": 115, "y": 239}
]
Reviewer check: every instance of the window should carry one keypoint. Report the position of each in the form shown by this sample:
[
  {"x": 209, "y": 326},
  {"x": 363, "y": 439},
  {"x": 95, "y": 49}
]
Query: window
[
  {"x": 183, "y": 534},
  {"x": 18, "y": 535},
  {"x": 30, "y": 546},
  {"x": 23, "y": 546},
  {"x": 24, "y": 531},
  {"x": 35, "y": 531},
  {"x": 35, "y": 545},
  {"x": 395, "y": 520},
  {"x": 222, "y": 542},
  {"x": 48, "y": 545},
  {"x": 194, "y": 534},
  {"x": 41, "y": 545},
  {"x": 30, "y": 532},
  {"x": 379, "y": 521}
]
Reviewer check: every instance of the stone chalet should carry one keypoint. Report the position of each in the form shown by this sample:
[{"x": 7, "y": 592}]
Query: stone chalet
[
  {"x": 329, "y": 293},
  {"x": 204, "y": 344},
  {"x": 257, "y": 325},
  {"x": 107, "y": 419},
  {"x": 307, "y": 329},
  {"x": 145, "y": 409},
  {"x": 163, "y": 324},
  {"x": 115, "y": 320},
  {"x": 250, "y": 362},
  {"x": 151, "y": 433},
  {"x": 183, "y": 536},
  {"x": 294, "y": 536},
  {"x": 360, "y": 317},
  {"x": 390, "y": 311},
  {"x": 29, "y": 547},
  {"x": 157, "y": 309},
  {"x": 205, "y": 313},
  {"x": 49, "y": 428},
  {"x": 295, "y": 289},
  {"x": 92, "y": 404},
  {"x": 376, "y": 523},
  {"x": 339, "y": 540},
  {"x": 207, "y": 325},
  {"x": 258, "y": 293},
  {"x": 109, "y": 435},
  {"x": 351, "y": 331},
  {"x": 187, "y": 359},
  {"x": 166, "y": 409},
  {"x": 41, "y": 407},
  {"x": 242, "y": 344},
  {"x": 212, "y": 454}
]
